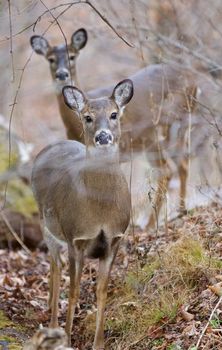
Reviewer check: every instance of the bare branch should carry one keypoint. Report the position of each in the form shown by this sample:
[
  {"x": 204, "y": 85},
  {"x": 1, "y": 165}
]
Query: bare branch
[
  {"x": 11, "y": 46},
  {"x": 70, "y": 4},
  {"x": 15, "y": 235},
  {"x": 210, "y": 318},
  {"x": 179, "y": 45},
  {"x": 107, "y": 22},
  {"x": 10, "y": 124}
]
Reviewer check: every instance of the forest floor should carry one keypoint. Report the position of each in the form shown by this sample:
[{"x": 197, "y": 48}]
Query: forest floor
[{"x": 167, "y": 297}]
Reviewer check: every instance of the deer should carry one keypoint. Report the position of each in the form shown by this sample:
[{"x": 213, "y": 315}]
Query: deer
[
  {"x": 148, "y": 121},
  {"x": 83, "y": 198},
  {"x": 62, "y": 60}
]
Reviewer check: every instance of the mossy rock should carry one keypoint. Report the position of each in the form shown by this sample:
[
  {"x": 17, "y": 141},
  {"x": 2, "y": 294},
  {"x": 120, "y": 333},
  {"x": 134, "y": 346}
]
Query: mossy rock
[
  {"x": 10, "y": 343},
  {"x": 4, "y": 151},
  {"x": 11, "y": 335},
  {"x": 4, "y": 321},
  {"x": 19, "y": 197}
]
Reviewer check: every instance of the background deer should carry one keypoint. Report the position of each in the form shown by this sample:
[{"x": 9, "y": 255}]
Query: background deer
[
  {"x": 163, "y": 95},
  {"x": 62, "y": 60},
  {"x": 83, "y": 197}
]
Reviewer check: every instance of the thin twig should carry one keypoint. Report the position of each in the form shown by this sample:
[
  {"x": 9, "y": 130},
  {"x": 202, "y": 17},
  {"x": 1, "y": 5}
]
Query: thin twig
[
  {"x": 210, "y": 318},
  {"x": 107, "y": 22},
  {"x": 15, "y": 235},
  {"x": 179, "y": 45},
  {"x": 136, "y": 30},
  {"x": 70, "y": 4},
  {"x": 57, "y": 22},
  {"x": 131, "y": 179},
  {"x": 11, "y": 46},
  {"x": 10, "y": 124},
  {"x": 39, "y": 18}
]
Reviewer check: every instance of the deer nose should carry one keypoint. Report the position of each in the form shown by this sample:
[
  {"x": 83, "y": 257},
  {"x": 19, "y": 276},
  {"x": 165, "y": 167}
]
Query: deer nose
[
  {"x": 62, "y": 74},
  {"x": 104, "y": 138}
]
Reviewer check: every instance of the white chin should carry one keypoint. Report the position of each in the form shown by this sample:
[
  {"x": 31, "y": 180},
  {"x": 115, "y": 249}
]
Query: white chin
[
  {"x": 104, "y": 146},
  {"x": 59, "y": 85}
]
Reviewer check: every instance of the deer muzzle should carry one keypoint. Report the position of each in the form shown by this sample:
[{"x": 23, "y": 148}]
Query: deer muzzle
[
  {"x": 62, "y": 74},
  {"x": 103, "y": 137}
]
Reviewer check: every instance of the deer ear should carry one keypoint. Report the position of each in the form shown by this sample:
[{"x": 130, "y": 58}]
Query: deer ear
[
  {"x": 123, "y": 92},
  {"x": 79, "y": 39},
  {"x": 74, "y": 98},
  {"x": 39, "y": 44}
]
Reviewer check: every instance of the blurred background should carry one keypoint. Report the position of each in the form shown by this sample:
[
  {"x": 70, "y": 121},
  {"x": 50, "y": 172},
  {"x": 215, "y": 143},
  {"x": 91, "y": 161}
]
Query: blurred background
[{"x": 183, "y": 33}]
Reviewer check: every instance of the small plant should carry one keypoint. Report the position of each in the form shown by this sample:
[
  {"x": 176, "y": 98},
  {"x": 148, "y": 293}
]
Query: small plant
[
  {"x": 157, "y": 342},
  {"x": 215, "y": 322},
  {"x": 174, "y": 347}
]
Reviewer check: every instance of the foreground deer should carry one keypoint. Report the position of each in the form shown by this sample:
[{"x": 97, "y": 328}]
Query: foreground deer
[
  {"x": 147, "y": 124},
  {"x": 83, "y": 197}
]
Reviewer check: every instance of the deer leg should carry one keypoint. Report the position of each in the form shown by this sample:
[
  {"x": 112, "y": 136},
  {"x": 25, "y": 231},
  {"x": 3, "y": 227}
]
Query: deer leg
[
  {"x": 162, "y": 187},
  {"x": 75, "y": 271},
  {"x": 54, "y": 284},
  {"x": 183, "y": 174},
  {"x": 50, "y": 284},
  {"x": 55, "y": 273},
  {"x": 105, "y": 266}
]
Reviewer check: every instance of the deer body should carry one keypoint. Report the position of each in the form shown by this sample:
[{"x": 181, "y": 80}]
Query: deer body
[
  {"x": 83, "y": 197},
  {"x": 78, "y": 199},
  {"x": 162, "y": 96}
]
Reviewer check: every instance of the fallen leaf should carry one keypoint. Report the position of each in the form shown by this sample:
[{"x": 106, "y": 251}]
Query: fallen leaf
[
  {"x": 218, "y": 277},
  {"x": 186, "y": 316},
  {"x": 190, "y": 330},
  {"x": 216, "y": 288}
]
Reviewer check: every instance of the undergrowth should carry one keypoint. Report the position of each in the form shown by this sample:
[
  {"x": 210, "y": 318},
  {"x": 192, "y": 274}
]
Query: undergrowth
[{"x": 152, "y": 295}]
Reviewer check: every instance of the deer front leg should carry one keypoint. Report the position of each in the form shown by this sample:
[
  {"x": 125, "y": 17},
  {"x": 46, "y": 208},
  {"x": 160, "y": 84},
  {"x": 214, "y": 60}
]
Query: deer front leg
[
  {"x": 183, "y": 174},
  {"x": 54, "y": 290},
  {"x": 162, "y": 187},
  {"x": 75, "y": 271},
  {"x": 55, "y": 274},
  {"x": 105, "y": 266}
]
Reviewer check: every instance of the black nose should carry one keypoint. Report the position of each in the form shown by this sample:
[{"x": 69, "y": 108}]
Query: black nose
[
  {"x": 103, "y": 138},
  {"x": 62, "y": 75}
]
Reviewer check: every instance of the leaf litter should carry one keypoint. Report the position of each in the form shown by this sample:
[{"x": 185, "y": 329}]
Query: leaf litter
[{"x": 152, "y": 304}]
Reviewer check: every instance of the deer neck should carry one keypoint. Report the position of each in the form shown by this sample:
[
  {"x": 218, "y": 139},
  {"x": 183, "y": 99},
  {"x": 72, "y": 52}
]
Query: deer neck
[
  {"x": 103, "y": 156},
  {"x": 101, "y": 173},
  {"x": 71, "y": 120},
  {"x": 74, "y": 129}
]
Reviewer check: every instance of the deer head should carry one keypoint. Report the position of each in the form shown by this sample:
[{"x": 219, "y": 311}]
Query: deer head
[
  {"x": 100, "y": 117},
  {"x": 62, "y": 58}
]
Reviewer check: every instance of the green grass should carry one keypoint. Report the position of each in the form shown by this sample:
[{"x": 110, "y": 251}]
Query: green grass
[{"x": 153, "y": 294}]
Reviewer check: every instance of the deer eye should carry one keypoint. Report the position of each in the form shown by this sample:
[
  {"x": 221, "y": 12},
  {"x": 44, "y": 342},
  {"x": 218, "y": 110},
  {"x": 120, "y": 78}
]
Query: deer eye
[
  {"x": 88, "y": 119},
  {"x": 51, "y": 60},
  {"x": 72, "y": 58},
  {"x": 113, "y": 116}
]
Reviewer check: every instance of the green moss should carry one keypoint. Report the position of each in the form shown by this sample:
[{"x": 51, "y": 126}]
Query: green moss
[
  {"x": 20, "y": 198},
  {"x": 12, "y": 343},
  {"x": 4, "y": 158},
  {"x": 157, "y": 342},
  {"x": 136, "y": 279},
  {"x": 119, "y": 326},
  {"x": 4, "y": 321}
]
